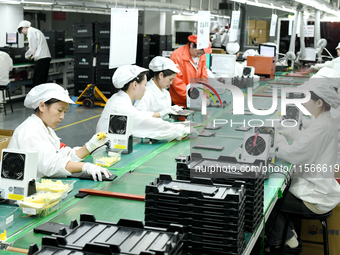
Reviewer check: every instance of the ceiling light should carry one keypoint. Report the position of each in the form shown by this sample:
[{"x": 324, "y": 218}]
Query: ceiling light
[{"x": 31, "y": 2}]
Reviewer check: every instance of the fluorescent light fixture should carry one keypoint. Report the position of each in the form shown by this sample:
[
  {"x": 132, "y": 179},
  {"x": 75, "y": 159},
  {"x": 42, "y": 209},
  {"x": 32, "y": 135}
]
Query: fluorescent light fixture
[
  {"x": 8, "y": 2},
  {"x": 188, "y": 13},
  {"x": 32, "y": 2}
]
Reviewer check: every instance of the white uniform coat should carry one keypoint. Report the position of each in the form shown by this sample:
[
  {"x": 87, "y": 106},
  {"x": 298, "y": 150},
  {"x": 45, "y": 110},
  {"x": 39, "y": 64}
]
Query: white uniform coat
[
  {"x": 238, "y": 70},
  {"x": 216, "y": 40},
  {"x": 225, "y": 39},
  {"x": 37, "y": 44},
  {"x": 32, "y": 135},
  {"x": 326, "y": 64},
  {"x": 316, "y": 146},
  {"x": 154, "y": 99},
  {"x": 6, "y": 65},
  {"x": 144, "y": 126}
]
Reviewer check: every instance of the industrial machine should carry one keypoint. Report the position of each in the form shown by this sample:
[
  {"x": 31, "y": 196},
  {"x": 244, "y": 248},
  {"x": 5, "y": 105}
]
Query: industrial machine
[
  {"x": 256, "y": 146},
  {"x": 263, "y": 65}
]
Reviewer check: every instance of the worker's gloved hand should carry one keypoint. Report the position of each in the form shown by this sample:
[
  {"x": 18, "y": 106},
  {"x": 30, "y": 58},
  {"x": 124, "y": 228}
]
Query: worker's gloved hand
[
  {"x": 280, "y": 141},
  {"x": 95, "y": 171},
  {"x": 165, "y": 112},
  {"x": 97, "y": 140},
  {"x": 176, "y": 108},
  {"x": 190, "y": 130}
]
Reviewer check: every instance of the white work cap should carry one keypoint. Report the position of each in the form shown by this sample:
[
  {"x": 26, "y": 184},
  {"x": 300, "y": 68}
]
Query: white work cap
[
  {"x": 328, "y": 75},
  {"x": 223, "y": 29},
  {"x": 324, "y": 90},
  {"x": 24, "y": 23},
  {"x": 45, "y": 92},
  {"x": 250, "y": 52},
  {"x": 125, "y": 74},
  {"x": 215, "y": 27},
  {"x": 338, "y": 47},
  {"x": 232, "y": 48},
  {"x": 158, "y": 64}
]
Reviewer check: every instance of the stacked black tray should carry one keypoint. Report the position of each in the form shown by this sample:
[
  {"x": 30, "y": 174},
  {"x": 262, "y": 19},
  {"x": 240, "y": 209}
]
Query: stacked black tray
[
  {"x": 212, "y": 215},
  {"x": 127, "y": 237},
  {"x": 254, "y": 186}
]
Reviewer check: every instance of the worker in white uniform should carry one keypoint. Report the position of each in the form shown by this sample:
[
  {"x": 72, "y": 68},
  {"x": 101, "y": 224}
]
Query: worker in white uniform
[
  {"x": 310, "y": 192},
  {"x": 330, "y": 76},
  {"x": 317, "y": 67},
  {"x": 38, "y": 49},
  {"x": 50, "y": 103},
  {"x": 233, "y": 49},
  {"x": 224, "y": 38},
  {"x": 247, "y": 53},
  {"x": 216, "y": 38},
  {"x": 131, "y": 81},
  {"x": 156, "y": 100},
  {"x": 6, "y": 65}
]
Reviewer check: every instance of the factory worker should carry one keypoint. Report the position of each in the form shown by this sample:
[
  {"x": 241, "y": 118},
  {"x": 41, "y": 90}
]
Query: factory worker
[
  {"x": 310, "y": 191},
  {"x": 38, "y": 49},
  {"x": 224, "y": 38},
  {"x": 192, "y": 63},
  {"x": 247, "y": 53},
  {"x": 233, "y": 49},
  {"x": 156, "y": 100},
  {"x": 216, "y": 38},
  {"x": 50, "y": 103},
  {"x": 332, "y": 77},
  {"x": 131, "y": 81},
  {"x": 6, "y": 64},
  {"x": 327, "y": 63}
]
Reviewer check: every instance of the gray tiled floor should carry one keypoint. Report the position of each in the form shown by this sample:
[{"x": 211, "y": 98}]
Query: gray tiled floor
[{"x": 71, "y": 132}]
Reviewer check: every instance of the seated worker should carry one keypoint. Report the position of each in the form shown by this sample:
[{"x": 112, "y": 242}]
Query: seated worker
[
  {"x": 156, "y": 100},
  {"x": 50, "y": 102},
  {"x": 216, "y": 38},
  {"x": 233, "y": 49},
  {"x": 6, "y": 63},
  {"x": 317, "y": 67},
  {"x": 310, "y": 192},
  {"x": 247, "y": 53},
  {"x": 131, "y": 81},
  {"x": 192, "y": 63}
]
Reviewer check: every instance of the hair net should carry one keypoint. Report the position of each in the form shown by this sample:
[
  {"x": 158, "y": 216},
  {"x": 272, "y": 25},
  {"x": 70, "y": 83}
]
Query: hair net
[
  {"x": 45, "y": 92},
  {"x": 24, "y": 23},
  {"x": 125, "y": 74},
  {"x": 324, "y": 90},
  {"x": 250, "y": 52},
  {"x": 215, "y": 27},
  {"x": 158, "y": 64},
  {"x": 222, "y": 30},
  {"x": 338, "y": 47},
  {"x": 232, "y": 48},
  {"x": 329, "y": 75},
  {"x": 193, "y": 38}
]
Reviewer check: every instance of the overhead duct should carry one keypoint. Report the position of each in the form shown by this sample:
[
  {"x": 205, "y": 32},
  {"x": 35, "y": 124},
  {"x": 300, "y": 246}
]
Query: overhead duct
[
  {"x": 317, "y": 35},
  {"x": 302, "y": 37}
]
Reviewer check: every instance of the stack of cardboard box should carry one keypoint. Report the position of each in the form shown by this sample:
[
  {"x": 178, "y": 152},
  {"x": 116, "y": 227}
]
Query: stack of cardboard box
[{"x": 258, "y": 31}]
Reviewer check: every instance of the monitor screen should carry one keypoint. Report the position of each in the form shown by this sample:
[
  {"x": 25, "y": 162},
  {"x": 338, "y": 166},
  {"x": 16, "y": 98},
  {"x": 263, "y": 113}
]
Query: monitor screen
[
  {"x": 267, "y": 50},
  {"x": 223, "y": 63},
  {"x": 12, "y": 38}
]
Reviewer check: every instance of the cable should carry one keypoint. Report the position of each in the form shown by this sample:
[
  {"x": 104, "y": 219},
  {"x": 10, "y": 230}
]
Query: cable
[{"x": 108, "y": 143}]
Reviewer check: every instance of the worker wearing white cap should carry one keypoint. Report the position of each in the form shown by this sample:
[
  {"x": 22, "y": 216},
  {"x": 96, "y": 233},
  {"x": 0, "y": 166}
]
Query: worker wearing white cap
[
  {"x": 224, "y": 38},
  {"x": 328, "y": 63},
  {"x": 38, "y": 50},
  {"x": 247, "y": 53},
  {"x": 50, "y": 102},
  {"x": 311, "y": 191},
  {"x": 156, "y": 100},
  {"x": 233, "y": 49},
  {"x": 216, "y": 38},
  {"x": 131, "y": 82}
]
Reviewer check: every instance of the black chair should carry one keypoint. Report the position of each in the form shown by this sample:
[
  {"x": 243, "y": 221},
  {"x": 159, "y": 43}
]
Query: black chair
[
  {"x": 321, "y": 217},
  {"x": 4, "y": 88}
]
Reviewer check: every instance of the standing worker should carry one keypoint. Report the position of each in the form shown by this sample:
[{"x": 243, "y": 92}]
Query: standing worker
[
  {"x": 156, "y": 100},
  {"x": 224, "y": 38},
  {"x": 192, "y": 63},
  {"x": 6, "y": 65},
  {"x": 216, "y": 38},
  {"x": 38, "y": 49}
]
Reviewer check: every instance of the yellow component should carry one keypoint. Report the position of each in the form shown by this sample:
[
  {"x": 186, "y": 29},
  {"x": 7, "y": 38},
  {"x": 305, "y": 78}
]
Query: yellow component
[
  {"x": 122, "y": 147},
  {"x": 107, "y": 161},
  {"x": 15, "y": 197},
  {"x": 279, "y": 114},
  {"x": 3, "y": 236},
  {"x": 98, "y": 95},
  {"x": 101, "y": 135}
]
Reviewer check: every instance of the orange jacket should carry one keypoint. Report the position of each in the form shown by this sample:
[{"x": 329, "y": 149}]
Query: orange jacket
[{"x": 187, "y": 68}]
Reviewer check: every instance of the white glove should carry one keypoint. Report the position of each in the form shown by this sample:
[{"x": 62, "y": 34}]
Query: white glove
[
  {"x": 95, "y": 171},
  {"x": 280, "y": 141},
  {"x": 189, "y": 130},
  {"x": 165, "y": 112},
  {"x": 94, "y": 142},
  {"x": 176, "y": 108}
]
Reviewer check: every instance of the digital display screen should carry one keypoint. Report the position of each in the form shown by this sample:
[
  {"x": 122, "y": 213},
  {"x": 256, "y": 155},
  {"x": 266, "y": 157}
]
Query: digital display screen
[
  {"x": 12, "y": 38},
  {"x": 267, "y": 50}
]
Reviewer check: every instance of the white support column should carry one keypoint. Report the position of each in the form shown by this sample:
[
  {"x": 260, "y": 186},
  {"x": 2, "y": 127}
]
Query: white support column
[{"x": 10, "y": 17}]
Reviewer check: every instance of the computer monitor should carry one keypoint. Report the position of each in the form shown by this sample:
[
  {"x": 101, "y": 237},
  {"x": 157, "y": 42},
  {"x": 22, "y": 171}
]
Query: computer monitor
[
  {"x": 11, "y": 38},
  {"x": 223, "y": 63},
  {"x": 267, "y": 50}
]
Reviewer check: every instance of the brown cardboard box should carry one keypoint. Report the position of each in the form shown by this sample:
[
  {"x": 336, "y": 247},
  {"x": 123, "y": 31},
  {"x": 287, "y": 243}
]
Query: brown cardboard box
[
  {"x": 263, "y": 33},
  {"x": 218, "y": 51},
  {"x": 262, "y": 40},
  {"x": 5, "y": 137},
  {"x": 312, "y": 230},
  {"x": 252, "y": 24},
  {"x": 253, "y": 33},
  {"x": 262, "y": 24}
]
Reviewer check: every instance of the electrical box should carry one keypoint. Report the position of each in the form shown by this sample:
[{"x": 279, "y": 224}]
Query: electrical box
[{"x": 263, "y": 65}]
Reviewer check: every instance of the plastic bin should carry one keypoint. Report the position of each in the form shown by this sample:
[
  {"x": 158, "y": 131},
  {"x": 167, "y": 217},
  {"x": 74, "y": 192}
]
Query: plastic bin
[
  {"x": 55, "y": 186},
  {"x": 7, "y": 216},
  {"x": 106, "y": 158}
]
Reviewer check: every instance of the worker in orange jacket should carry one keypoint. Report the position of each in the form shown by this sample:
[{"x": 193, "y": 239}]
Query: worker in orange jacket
[{"x": 192, "y": 63}]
